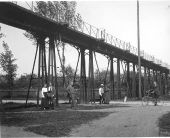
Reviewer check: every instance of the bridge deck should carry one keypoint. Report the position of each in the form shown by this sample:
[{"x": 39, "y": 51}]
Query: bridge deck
[{"x": 22, "y": 18}]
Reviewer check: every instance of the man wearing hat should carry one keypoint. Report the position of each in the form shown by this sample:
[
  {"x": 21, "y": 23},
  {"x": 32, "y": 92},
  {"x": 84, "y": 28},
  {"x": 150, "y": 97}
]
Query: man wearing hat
[{"x": 101, "y": 92}]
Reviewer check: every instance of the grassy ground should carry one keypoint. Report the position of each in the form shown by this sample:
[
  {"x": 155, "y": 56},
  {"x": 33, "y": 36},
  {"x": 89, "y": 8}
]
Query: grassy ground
[
  {"x": 19, "y": 107},
  {"x": 56, "y": 123},
  {"x": 52, "y": 124},
  {"x": 164, "y": 125}
]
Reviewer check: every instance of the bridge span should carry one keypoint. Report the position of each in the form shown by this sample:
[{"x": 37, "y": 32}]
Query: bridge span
[{"x": 16, "y": 16}]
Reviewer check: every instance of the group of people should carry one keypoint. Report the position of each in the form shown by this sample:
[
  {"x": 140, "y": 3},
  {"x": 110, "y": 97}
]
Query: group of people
[{"x": 48, "y": 97}]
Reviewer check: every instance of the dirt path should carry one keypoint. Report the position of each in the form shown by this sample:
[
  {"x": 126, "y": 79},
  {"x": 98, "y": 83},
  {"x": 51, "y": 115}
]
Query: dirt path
[{"x": 135, "y": 121}]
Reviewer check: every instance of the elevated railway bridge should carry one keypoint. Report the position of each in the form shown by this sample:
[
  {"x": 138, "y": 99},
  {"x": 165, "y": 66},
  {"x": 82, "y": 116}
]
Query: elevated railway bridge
[{"x": 86, "y": 37}]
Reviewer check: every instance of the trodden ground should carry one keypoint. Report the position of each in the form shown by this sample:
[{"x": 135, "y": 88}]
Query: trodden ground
[{"x": 133, "y": 121}]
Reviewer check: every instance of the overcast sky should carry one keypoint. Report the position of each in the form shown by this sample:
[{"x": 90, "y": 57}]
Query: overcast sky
[{"x": 118, "y": 18}]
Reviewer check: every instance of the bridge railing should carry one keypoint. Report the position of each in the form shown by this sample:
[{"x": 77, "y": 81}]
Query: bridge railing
[{"x": 78, "y": 24}]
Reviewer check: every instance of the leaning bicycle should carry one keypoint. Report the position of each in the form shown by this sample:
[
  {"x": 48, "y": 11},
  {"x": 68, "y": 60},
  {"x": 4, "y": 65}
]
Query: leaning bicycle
[{"x": 151, "y": 96}]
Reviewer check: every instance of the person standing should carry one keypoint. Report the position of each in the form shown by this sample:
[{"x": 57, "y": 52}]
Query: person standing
[
  {"x": 101, "y": 92},
  {"x": 43, "y": 96},
  {"x": 73, "y": 95},
  {"x": 51, "y": 95}
]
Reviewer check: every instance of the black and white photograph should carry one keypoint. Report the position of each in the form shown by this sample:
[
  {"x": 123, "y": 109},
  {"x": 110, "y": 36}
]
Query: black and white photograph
[{"x": 85, "y": 68}]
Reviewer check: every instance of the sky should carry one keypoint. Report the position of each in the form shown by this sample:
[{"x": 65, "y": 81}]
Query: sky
[{"x": 119, "y": 18}]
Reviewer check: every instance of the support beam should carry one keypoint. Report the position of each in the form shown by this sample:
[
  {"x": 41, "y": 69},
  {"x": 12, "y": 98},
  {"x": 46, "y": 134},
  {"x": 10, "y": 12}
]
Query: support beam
[
  {"x": 149, "y": 79},
  {"x": 160, "y": 83},
  {"x": 145, "y": 81},
  {"x": 134, "y": 82},
  {"x": 52, "y": 69},
  {"x": 41, "y": 65},
  {"x": 128, "y": 80},
  {"x": 112, "y": 77},
  {"x": 31, "y": 75},
  {"x": 83, "y": 89},
  {"x": 118, "y": 79},
  {"x": 166, "y": 83},
  {"x": 91, "y": 94}
]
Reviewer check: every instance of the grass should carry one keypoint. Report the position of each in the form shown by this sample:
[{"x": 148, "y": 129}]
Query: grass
[
  {"x": 56, "y": 123},
  {"x": 164, "y": 125},
  {"x": 19, "y": 107},
  {"x": 51, "y": 124}
]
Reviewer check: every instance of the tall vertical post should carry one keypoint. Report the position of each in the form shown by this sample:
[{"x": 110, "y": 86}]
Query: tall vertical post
[
  {"x": 160, "y": 83},
  {"x": 149, "y": 79},
  {"x": 134, "y": 82},
  {"x": 63, "y": 67},
  {"x": 55, "y": 75},
  {"x": 139, "y": 61},
  {"x": 156, "y": 76},
  {"x": 41, "y": 64},
  {"x": 91, "y": 78},
  {"x": 145, "y": 79},
  {"x": 128, "y": 80},
  {"x": 163, "y": 83},
  {"x": 118, "y": 78},
  {"x": 111, "y": 77},
  {"x": 31, "y": 75},
  {"x": 83, "y": 91},
  {"x": 166, "y": 83},
  {"x": 52, "y": 69}
]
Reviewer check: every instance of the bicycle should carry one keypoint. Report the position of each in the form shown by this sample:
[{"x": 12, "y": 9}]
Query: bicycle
[{"x": 151, "y": 95}]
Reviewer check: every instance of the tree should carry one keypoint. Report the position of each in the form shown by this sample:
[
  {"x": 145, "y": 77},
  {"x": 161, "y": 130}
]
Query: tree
[
  {"x": 69, "y": 73},
  {"x": 59, "y": 11},
  {"x": 7, "y": 62}
]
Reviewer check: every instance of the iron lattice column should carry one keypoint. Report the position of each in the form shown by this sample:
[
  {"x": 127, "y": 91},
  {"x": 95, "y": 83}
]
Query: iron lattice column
[
  {"x": 128, "y": 80},
  {"x": 163, "y": 83},
  {"x": 161, "y": 90},
  {"x": 83, "y": 89},
  {"x": 91, "y": 93},
  {"x": 134, "y": 82},
  {"x": 166, "y": 83},
  {"x": 112, "y": 78},
  {"x": 156, "y": 77},
  {"x": 41, "y": 65},
  {"x": 145, "y": 80},
  {"x": 52, "y": 69},
  {"x": 149, "y": 79},
  {"x": 118, "y": 78}
]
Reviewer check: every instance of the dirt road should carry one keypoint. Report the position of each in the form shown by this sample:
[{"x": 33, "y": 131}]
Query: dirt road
[{"x": 135, "y": 121}]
